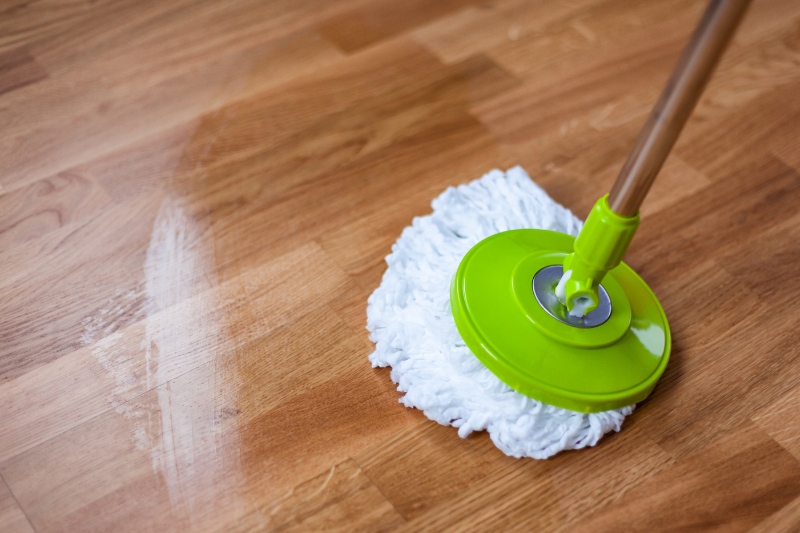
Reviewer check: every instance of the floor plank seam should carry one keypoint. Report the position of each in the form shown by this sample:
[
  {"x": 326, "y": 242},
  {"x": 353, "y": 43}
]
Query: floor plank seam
[
  {"x": 21, "y": 508},
  {"x": 379, "y": 490}
]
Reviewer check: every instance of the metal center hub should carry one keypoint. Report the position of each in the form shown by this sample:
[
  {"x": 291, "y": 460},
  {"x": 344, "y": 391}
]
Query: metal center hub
[{"x": 544, "y": 289}]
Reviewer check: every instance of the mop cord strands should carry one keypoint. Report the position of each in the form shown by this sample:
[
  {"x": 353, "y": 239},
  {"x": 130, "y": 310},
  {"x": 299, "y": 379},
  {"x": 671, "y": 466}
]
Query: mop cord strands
[{"x": 411, "y": 324}]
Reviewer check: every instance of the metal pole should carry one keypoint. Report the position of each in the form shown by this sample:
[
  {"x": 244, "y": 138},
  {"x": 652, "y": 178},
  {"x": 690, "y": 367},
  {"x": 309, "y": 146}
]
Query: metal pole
[{"x": 675, "y": 104}]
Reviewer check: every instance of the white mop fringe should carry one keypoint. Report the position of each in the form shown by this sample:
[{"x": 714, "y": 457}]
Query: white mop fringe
[{"x": 410, "y": 322}]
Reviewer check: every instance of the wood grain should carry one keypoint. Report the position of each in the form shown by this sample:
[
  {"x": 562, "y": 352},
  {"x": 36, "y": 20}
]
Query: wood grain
[
  {"x": 12, "y": 519},
  {"x": 554, "y": 495},
  {"x": 196, "y": 199},
  {"x": 46, "y": 205},
  {"x": 18, "y": 69},
  {"x": 780, "y": 420},
  {"x": 340, "y": 499},
  {"x": 738, "y": 497},
  {"x": 375, "y": 21},
  {"x": 785, "y": 520}
]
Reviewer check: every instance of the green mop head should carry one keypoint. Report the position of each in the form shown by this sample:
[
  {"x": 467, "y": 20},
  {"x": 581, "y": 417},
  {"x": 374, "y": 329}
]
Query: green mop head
[{"x": 411, "y": 322}]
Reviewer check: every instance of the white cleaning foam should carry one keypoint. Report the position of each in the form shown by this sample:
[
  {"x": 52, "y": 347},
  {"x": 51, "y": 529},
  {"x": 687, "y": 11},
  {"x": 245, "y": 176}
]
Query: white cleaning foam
[{"x": 410, "y": 322}]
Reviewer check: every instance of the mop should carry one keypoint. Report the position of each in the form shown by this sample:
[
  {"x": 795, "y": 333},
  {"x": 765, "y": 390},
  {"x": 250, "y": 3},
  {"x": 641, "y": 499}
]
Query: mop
[
  {"x": 501, "y": 312},
  {"x": 411, "y": 324}
]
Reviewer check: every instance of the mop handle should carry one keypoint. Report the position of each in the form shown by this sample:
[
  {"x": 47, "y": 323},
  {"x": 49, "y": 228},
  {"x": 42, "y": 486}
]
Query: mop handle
[{"x": 675, "y": 104}]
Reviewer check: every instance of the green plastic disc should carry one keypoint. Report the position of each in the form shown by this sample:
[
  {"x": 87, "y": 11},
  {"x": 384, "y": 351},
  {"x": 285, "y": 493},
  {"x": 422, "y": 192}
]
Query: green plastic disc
[{"x": 591, "y": 369}]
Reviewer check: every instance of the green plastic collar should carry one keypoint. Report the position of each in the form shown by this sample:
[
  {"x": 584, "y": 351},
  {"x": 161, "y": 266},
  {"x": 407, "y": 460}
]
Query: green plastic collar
[{"x": 599, "y": 248}]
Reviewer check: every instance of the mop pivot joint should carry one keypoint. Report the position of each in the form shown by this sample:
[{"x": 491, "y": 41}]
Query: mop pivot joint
[{"x": 598, "y": 249}]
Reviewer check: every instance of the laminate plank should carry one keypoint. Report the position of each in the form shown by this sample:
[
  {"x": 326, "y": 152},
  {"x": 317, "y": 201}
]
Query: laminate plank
[
  {"x": 483, "y": 78},
  {"x": 770, "y": 267},
  {"x": 427, "y": 464},
  {"x": 545, "y": 496},
  {"x": 731, "y": 485},
  {"x": 754, "y": 364},
  {"x": 766, "y": 18},
  {"x": 343, "y": 499},
  {"x": 46, "y": 205},
  {"x": 361, "y": 91},
  {"x": 578, "y": 180},
  {"x": 576, "y": 160},
  {"x": 145, "y": 166},
  {"x": 780, "y": 143},
  {"x": 110, "y": 231},
  {"x": 585, "y": 103},
  {"x": 469, "y": 31},
  {"x": 781, "y": 422},
  {"x": 360, "y": 246},
  {"x": 198, "y": 461},
  {"x": 354, "y": 113},
  {"x": 250, "y": 233},
  {"x": 594, "y": 113},
  {"x": 712, "y": 284},
  {"x": 787, "y": 519},
  {"x": 480, "y": 29},
  {"x": 122, "y": 363},
  {"x": 373, "y": 22},
  {"x": 26, "y": 22},
  {"x": 678, "y": 182},
  {"x": 18, "y": 69},
  {"x": 746, "y": 75},
  {"x": 366, "y": 186},
  {"x": 175, "y": 34},
  {"x": 12, "y": 519},
  {"x": 715, "y": 149},
  {"x": 722, "y": 218},
  {"x": 336, "y": 137},
  {"x": 325, "y": 140},
  {"x": 169, "y": 93},
  {"x": 96, "y": 250},
  {"x": 600, "y": 34},
  {"x": 352, "y": 310},
  {"x": 221, "y": 205},
  {"x": 563, "y": 54},
  {"x": 66, "y": 299},
  {"x": 291, "y": 362}
]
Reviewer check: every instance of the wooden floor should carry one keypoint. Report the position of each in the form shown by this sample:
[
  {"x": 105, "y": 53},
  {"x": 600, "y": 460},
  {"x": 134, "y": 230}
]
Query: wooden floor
[{"x": 196, "y": 198}]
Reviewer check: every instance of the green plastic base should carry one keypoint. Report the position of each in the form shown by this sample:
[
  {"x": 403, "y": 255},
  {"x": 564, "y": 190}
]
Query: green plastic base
[{"x": 582, "y": 369}]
